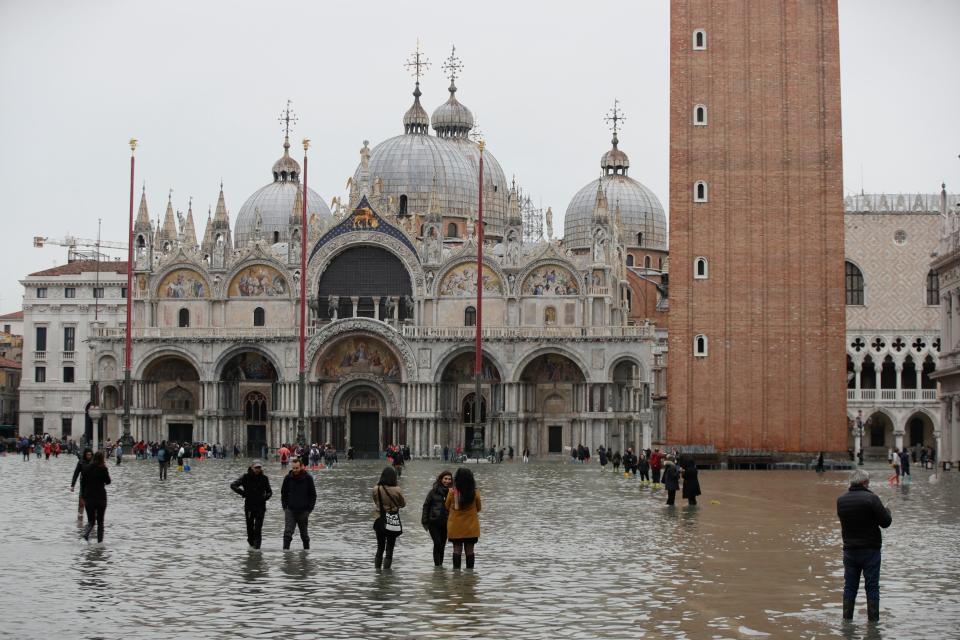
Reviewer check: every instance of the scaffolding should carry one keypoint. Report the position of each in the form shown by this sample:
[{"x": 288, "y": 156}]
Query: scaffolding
[{"x": 532, "y": 216}]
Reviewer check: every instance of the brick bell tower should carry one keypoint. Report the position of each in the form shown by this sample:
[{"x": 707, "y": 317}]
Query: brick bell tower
[{"x": 756, "y": 321}]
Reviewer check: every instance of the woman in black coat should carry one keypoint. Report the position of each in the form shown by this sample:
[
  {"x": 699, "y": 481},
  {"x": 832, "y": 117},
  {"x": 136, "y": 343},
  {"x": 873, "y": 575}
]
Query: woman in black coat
[
  {"x": 434, "y": 514},
  {"x": 94, "y": 480},
  {"x": 691, "y": 484},
  {"x": 671, "y": 479}
]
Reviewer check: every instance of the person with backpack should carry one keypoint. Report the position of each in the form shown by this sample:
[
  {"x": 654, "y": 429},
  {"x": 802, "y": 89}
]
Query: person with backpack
[
  {"x": 163, "y": 459},
  {"x": 389, "y": 500}
]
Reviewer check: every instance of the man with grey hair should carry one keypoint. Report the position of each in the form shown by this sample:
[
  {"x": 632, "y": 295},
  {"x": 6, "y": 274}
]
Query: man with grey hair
[{"x": 861, "y": 514}]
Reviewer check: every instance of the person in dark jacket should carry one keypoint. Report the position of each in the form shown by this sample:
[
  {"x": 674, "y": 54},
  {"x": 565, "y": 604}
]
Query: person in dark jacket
[
  {"x": 298, "y": 497},
  {"x": 671, "y": 479},
  {"x": 691, "y": 482},
  {"x": 819, "y": 468},
  {"x": 86, "y": 458},
  {"x": 643, "y": 466},
  {"x": 630, "y": 462},
  {"x": 254, "y": 486},
  {"x": 434, "y": 514},
  {"x": 905, "y": 463},
  {"x": 862, "y": 515},
  {"x": 163, "y": 459},
  {"x": 93, "y": 484}
]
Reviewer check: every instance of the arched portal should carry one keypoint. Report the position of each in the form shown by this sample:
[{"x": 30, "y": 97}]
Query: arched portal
[
  {"x": 365, "y": 281},
  {"x": 919, "y": 431},
  {"x": 248, "y": 393},
  {"x": 878, "y": 434},
  {"x": 173, "y": 385},
  {"x": 554, "y": 395},
  {"x": 458, "y": 396}
]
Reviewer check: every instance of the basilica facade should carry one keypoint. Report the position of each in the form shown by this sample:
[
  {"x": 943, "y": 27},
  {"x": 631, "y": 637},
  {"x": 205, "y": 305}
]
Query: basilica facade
[{"x": 571, "y": 344}]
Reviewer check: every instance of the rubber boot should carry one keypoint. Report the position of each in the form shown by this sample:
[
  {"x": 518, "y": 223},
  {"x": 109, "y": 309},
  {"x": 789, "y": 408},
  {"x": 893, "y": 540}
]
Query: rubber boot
[
  {"x": 848, "y": 609},
  {"x": 378, "y": 560},
  {"x": 438, "y": 558},
  {"x": 470, "y": 561},
  {"x": 286, "y": 541},
  {"x": 456, "y": 560},
  {"x": 873, "y": 610}
]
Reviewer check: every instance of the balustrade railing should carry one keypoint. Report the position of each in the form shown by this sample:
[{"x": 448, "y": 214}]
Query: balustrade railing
[{"x": 892, "y": 395}]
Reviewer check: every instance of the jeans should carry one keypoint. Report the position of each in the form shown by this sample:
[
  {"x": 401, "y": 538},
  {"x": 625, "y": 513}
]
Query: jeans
[
  {"x": 255, "y": 527},
  {"x": 95, "y": 514},
  {"x": 856, "y": 561},
  {"x": 295, "y": 519}
]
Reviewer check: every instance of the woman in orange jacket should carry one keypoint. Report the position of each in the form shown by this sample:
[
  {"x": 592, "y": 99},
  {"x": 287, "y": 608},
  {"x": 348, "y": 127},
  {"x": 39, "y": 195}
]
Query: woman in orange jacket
[{"x": 463, "y": 521}]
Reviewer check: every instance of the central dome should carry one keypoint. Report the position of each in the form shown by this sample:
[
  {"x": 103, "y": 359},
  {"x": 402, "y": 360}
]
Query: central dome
[
  {"x": 411, "y": 164},
  {"x": 275, "y": 204}
]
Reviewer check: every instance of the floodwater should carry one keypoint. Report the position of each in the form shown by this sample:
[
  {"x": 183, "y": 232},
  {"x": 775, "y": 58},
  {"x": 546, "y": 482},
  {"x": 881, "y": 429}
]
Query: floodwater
[{"x": 565, "y": 551}]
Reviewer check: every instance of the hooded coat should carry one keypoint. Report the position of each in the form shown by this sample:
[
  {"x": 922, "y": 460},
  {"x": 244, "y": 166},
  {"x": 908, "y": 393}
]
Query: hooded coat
[{"x": 671, "y": 476}]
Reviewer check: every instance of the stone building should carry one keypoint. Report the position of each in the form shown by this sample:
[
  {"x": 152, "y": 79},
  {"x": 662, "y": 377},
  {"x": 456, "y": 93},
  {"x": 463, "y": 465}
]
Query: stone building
[
  {"x": 756, "y": 227},
  {"x": 62, "y": 307},
  {"x": 392, "y": 282},
  {"x": 946, "y": 264},
  {"x": 9, "y": 392},
  {"x": 893, "y": 320}
]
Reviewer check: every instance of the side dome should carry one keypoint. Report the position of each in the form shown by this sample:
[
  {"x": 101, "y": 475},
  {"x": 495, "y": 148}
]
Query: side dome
[
  {"x": 275, "y": 203},
  {"x": 640, "y": 210}
]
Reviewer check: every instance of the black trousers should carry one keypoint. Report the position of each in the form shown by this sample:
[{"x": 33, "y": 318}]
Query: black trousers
[
  {"x": 298, "y": 520},
  {"x": 438, "y": 533},
  {"x": 385, "y": 544},
  {"x": 656, "y": 476},
  {"x": 95, "y": 513},
  {"x": 645, "y": 475},
  {"x": 671, "y": 495},
  {"x": 255, "y": 527},
  {"x": 164, "y": 465}
]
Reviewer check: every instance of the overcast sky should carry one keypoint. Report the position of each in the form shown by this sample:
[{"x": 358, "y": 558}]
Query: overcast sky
[{"x": 201, "y": 84}]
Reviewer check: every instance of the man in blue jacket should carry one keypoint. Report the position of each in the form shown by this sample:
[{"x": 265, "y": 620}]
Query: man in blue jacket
[{"x": 861, "y": 514}]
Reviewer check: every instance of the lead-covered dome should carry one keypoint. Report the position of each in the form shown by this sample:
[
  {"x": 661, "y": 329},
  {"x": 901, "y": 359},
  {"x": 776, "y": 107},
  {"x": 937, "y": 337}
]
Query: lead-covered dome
[
  {"x": 644, "y": 221},
  {"x": 411, "y": 165},
  {"x": 275, "y": 204}
]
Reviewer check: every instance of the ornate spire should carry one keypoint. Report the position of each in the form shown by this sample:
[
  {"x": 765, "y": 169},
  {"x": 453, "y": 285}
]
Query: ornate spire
[
  {"x": 168, "y": 232},
  {"x": 143, "y": 216},
  {"x": 207, "y": 243},
  {"x": 416, "y": 120},
  {"x": 615, "y": 161},
  {"x": 452, "y": 119},
  {"x": 189, "y": 230},
  {"x": 600, "y": 208},
  {"x": 286, "y": 168}
]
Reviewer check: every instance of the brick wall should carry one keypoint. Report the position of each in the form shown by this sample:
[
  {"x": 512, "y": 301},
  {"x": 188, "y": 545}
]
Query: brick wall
[{"x": 772, "y": 230}]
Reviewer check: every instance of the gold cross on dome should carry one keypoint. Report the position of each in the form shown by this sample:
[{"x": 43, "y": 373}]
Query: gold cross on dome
[
  {"x": 453, "y": 65},
  {"x": 615, "y": 116},
  {"x": 417, "y": 63},
  {"x": 287, "y": 119}
]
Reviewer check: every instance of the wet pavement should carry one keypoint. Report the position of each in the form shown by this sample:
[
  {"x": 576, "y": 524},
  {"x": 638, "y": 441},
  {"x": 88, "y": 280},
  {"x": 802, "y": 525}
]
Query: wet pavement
[{"x": 565, "y": 551}]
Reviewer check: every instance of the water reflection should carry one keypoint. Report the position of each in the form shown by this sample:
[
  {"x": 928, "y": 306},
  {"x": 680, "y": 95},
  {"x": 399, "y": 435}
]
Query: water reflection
[{"x": 565, "y": 551}]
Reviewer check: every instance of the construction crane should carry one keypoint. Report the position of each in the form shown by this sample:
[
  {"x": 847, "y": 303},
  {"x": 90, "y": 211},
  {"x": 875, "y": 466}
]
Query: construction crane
[{"x": 73, "y": 242}]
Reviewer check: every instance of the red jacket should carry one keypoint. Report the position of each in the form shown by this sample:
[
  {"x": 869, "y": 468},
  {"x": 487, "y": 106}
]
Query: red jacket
[{"x": 655, "y": 459}]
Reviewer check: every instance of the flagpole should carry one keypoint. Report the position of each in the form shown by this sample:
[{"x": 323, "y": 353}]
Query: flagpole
[
  {"x": 301, "y": 436},
  {"x": 128, "y": 345}
]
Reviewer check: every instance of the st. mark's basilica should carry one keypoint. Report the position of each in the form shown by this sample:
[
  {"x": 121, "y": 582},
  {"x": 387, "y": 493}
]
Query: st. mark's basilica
[{"x": 572, "y": 328}]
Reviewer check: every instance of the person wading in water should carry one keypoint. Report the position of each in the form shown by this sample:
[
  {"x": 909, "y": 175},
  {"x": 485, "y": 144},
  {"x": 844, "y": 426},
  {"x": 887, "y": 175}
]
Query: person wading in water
[
  {"x": 254, "y": 486},
  {"x": 434, "y": 515},
  {"x": 463, "y": 522}
]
